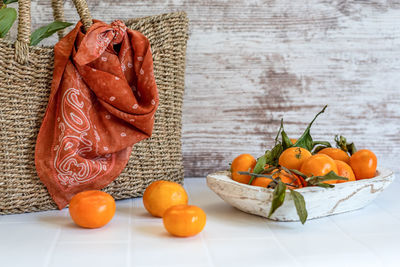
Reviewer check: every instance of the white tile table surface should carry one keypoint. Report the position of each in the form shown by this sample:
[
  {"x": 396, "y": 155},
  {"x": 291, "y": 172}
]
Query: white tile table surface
[{"x": 367, "y": 237}]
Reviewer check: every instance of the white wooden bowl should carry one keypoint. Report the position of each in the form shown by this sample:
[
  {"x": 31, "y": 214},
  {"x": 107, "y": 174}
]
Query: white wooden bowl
[{"x": 320, "y": 201}]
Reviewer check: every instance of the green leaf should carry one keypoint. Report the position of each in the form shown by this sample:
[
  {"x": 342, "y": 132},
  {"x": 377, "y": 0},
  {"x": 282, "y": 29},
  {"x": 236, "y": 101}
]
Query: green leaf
[
  {"x": 321, "y": 145},
  {"x": 7, "y": 17},
  {"x": 325, "y": 185},
  {"x": 286, "y": 143},
  {"x": 7, "y": 2},
  {"x": 330, "y": 176},
  {"x": 278, "y": 197},
  {"x": 318, "y": 149},
  {"x": 333, "y": 176},
  {"x": 47, "y": 31},
  {"x": 279, "y": 131},
  {"x": 272, "y": 156},
  {"x": 305, "y": 140},
  {"x": 351, "y": 148},
  {"x": 300, "y": 205},
  {"x": 341, "y": 143},
  {"x": 261, "y": 161}
]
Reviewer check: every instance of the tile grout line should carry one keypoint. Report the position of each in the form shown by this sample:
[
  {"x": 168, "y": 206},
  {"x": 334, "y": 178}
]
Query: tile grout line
[
  {"x": 128, "y": 246},
  {"x": 208, "y": 254},
  {"x": 203, "y": 241},
  {"x": 52, "y": 248},
  {"x": 282, "y": 246},
  {"x": 377, "y": 256}
]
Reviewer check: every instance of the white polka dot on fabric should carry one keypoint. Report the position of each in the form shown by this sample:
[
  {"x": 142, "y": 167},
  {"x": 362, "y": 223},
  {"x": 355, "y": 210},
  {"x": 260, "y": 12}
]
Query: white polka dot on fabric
[
  {"x": 141, "y": 71},
  {"x": 108, "y": 117},
  {"x": 117, "y": 78},
  {"x": 105, "y": 148},
  {"x": 130, "y": 65},
  {"x": 153, "y": 102},
  {"x": 108, "y": 155},
  {"x": 123, "y": 134},
  {"x": 112, "y": 98},
  {"x": 94, "y": 70},
  {"x": 123, "y": 67},
  {"x": 135, "y": 106},
  {"x": 103, "y": 58},
  {"x": 132, "y": 120},
  {"x": 140, "y": 58}
]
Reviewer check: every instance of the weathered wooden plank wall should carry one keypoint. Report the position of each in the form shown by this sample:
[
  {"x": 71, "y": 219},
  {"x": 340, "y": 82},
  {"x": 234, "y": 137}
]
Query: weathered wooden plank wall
[{"x": 251, "y": 62}]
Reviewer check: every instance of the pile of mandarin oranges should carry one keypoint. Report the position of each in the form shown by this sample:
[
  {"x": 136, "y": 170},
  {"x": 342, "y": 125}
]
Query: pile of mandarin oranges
[{"x": 361, "y": 165}]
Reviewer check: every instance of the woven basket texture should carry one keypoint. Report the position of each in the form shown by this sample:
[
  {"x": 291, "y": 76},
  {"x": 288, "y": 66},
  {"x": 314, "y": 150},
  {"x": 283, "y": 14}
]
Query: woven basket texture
[{"x": 24, "y": 91}]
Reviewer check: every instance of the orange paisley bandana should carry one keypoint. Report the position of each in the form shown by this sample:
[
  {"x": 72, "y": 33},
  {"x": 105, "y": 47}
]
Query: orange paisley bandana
[{"x": 103, "y": 100}]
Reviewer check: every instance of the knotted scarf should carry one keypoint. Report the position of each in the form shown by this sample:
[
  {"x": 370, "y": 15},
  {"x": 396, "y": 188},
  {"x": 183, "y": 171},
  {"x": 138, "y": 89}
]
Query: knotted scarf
[{"x": 103, "y": 100}]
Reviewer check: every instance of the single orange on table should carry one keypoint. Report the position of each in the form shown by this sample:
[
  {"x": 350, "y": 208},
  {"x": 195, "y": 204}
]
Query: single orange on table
[
  {"x": 242, "y": 163},
  {"x": 344, "y": 170},
  {"x": 336, "y": 154},
  {"x": 293, "y": 157},
  {"x": 364, "y": 163},
  {"x": 319, "y": 165},
  {"x": 184, "y": 220},
  {"x": 92, "y": 209},
  {"x": 160, "y": 195}
]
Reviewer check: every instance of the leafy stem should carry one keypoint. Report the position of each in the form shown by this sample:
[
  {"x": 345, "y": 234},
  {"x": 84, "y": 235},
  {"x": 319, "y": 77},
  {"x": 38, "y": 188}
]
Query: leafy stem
[
  {"x": 341, "y": 143},
  {"x": 305, "y": 140}
]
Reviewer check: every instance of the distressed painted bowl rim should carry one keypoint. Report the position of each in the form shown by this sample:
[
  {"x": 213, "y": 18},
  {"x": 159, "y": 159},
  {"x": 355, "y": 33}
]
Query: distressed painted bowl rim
[{"x": 381, "y": 174}]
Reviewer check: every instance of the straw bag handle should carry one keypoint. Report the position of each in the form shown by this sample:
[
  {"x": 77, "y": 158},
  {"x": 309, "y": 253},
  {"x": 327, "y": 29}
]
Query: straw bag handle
[
  {"x": 58, "y": 14},
  {"x": 24, "y": 25}
]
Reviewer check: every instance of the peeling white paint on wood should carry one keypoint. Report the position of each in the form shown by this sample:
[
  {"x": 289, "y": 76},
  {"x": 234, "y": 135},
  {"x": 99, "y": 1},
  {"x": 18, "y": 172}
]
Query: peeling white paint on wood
[
  {"x": 319, "y": 201},
  {"x": 249, "y": 63}
]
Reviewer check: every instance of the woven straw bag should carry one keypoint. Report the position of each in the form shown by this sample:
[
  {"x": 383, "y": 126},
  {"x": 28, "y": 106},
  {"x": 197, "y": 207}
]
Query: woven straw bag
[{"x": 25, "y": 80}]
